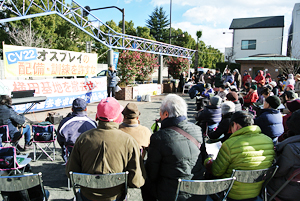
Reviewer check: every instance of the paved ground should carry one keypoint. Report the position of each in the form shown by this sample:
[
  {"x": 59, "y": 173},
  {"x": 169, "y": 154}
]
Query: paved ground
[{"x": 54, "y": 176}]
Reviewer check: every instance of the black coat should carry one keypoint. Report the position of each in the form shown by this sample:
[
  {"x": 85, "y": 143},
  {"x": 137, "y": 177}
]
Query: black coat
[
  {"x": 288, "y": 160},
  {"x": 223, "y": 128},
  {"x": 241, "y": 99},
  {"x": 172, "y": 156},
  {"x": 9, "y": 117}
]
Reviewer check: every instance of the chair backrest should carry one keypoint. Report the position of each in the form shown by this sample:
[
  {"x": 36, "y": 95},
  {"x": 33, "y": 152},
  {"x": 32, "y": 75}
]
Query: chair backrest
[
  {"x": 98, "y": 181},
  {"x": 21, "y": 182},
  {"x": 4, "y": 130},
  {"x": 9, "y": 154},
  {"x": 204, "y": 187},
  {"x": 250, "y": 176},
  {"x": 43, "y": 129},
  {"x": 254, "y": 176}
]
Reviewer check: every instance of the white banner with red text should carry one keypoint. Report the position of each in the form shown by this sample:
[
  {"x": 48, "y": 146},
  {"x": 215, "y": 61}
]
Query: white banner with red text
[{"x": 60, "y": 92}]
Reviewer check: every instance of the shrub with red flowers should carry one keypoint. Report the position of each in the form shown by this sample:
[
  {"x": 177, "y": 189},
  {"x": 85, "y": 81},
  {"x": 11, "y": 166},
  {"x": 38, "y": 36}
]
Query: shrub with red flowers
[
  {"x": 177, "y": 65},
  {"x": 136, "y": 66}
]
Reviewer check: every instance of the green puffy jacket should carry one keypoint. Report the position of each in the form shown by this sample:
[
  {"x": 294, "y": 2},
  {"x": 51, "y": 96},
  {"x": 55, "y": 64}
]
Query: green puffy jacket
[{"x": 246, "y": 149}]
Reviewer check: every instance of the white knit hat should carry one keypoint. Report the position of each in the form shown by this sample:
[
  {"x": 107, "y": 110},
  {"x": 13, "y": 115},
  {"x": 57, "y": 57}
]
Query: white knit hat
[{"x": 227, "y": 107}]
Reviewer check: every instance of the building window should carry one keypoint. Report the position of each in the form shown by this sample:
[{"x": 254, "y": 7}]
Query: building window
[{"x": 248, "y": 44}]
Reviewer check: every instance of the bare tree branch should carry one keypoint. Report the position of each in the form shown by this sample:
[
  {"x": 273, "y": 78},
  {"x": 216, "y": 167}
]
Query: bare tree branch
[{"x": 26, "y": 37}]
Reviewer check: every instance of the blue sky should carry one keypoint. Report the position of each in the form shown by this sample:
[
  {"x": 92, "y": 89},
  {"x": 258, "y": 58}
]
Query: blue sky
[{"x": 212, "y": 17}]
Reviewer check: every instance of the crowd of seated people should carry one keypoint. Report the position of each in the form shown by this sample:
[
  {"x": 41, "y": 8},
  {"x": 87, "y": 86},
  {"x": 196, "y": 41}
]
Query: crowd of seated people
[{"x": 117, "y": 142}]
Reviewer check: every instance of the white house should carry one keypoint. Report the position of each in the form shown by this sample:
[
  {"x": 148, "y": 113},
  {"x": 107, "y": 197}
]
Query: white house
[
  {"x": 258, "y": 35},
  {"x": 293, "y": 46}
]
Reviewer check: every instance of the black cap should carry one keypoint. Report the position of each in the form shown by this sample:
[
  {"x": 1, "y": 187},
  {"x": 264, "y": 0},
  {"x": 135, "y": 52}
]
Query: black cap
[{"x": 273, "y": 101}]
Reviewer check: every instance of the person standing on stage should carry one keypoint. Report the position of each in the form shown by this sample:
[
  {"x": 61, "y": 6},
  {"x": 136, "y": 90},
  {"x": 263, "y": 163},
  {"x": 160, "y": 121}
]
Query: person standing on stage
[{"x": 111, "y": 81}]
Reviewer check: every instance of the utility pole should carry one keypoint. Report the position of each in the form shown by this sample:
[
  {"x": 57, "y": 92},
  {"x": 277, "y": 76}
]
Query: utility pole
[{"x": 170, "y": 21}]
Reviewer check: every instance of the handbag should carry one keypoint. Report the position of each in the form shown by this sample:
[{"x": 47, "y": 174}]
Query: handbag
[
  {"x": 6, "y": 161},
  {"x": 118, "y": 89},
  {"x": 44, "y": 136}
]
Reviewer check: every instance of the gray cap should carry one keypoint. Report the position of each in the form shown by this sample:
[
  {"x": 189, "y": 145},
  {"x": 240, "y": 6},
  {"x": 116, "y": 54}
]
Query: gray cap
[{"x": 216, "y": 100}]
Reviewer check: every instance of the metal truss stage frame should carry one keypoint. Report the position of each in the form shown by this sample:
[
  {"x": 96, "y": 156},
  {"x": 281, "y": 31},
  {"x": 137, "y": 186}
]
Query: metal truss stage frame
[{"x": 91, "y": 26}]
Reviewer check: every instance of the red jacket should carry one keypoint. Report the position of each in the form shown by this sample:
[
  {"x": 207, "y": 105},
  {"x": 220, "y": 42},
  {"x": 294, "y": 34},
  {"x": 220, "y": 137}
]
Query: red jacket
[
  {"x": 246, "y": 78},
  {"x": 251, "y": 97},
  {"x": 260, "y": 78}
]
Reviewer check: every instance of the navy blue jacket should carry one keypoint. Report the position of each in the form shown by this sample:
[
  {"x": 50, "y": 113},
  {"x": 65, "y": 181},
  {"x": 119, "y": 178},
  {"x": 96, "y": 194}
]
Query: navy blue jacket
[
  {"x": 72, "y": 126},
  {"x": 9, "y": 117},
  {"x": 210, "y": 115},
  {"x": 195, "y": 89},
  {"x": 270, "y": 122}
]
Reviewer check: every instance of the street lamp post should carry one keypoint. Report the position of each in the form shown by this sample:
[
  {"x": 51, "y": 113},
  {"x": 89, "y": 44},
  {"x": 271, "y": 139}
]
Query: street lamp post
[
  {"x": 170, "y": 21},
  {"x": 121, "y": 10}
]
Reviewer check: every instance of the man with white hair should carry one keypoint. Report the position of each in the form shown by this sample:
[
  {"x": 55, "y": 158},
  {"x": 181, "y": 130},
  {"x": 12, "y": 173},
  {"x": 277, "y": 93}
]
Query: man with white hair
[{"x": 175, "y": 151}]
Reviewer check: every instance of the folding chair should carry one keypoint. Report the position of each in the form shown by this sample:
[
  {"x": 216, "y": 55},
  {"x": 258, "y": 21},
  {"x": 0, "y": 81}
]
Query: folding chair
[
  {"x": 99, "y": 181},
  {"x": 21, "y": 183},
  {"x": 9, "y": 159},
  {"x": 254, "y": 176},
  {"x": 38, "y": 131},
  {"x": 295, "y": 177},
  {"x": 4, "y": 131},
  {"x": 205, "y": 187}
]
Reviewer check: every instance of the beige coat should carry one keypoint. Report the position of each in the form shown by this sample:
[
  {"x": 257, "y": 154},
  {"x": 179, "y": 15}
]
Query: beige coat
[
  {"x": 103, "y": 150},
  {"x": 140, "y": 133}
]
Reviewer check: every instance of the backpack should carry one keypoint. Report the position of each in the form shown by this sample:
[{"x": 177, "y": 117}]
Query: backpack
[{"x": 43, "y": 131}]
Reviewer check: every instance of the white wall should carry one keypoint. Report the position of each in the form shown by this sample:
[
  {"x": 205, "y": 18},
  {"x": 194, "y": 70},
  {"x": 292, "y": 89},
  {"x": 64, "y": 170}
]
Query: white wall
[
  {"x": 268, "y": 41},
  {"x": 296, "y": 31}
]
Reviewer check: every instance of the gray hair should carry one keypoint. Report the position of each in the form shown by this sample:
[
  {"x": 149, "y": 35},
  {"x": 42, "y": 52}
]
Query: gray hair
[{"x": 174, "y": 105}]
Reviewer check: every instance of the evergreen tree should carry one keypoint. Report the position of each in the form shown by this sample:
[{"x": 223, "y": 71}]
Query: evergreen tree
[
  {"x": 183, "y": 39},
  {"x": 129, "y": 27},
  {"x": 144, "y": 32},
  {"x": 157, "y": 24},
  {"x": 208, "y": 56}
]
